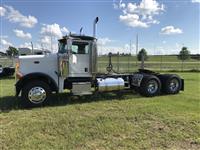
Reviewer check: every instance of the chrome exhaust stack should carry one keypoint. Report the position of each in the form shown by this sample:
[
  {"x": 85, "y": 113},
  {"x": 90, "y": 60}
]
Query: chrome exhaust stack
[{"x": 94, "y": 26}]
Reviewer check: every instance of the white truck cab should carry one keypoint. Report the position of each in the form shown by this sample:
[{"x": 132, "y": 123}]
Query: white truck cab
[{"x": 74, "y": 67}]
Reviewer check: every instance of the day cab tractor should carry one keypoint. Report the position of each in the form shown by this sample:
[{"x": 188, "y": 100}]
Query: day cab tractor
[{"x": 74, "y": 67}]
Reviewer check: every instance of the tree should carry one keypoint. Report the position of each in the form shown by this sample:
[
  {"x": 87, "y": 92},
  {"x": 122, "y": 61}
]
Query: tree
[
  {"x": 12, "y": 51},
  {"x": 184, "y": 54},
  {"x": 144, "y": 53}
]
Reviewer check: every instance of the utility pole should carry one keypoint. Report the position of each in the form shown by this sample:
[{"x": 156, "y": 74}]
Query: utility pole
[
  {"x": 130, "y": 49},
  {"x": 128, "y": 59},
  {"x": 118, "y": 61},
  {"x": 51, "y": 43},
  {"x": 32, "y": 47},
  {"x": 136, "y": 50},
  {"x": 142, "y": 61}
]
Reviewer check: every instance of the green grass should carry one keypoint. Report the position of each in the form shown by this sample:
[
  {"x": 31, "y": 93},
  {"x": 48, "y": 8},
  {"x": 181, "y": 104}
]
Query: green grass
[{"x": 106, "y": 121}]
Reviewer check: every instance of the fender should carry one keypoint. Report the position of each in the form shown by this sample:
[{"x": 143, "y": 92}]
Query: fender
[{"x": 34, "y": 76}]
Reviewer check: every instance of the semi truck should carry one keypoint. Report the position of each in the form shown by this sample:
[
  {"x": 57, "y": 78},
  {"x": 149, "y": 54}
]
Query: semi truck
[{"x": 74, "y": 67}]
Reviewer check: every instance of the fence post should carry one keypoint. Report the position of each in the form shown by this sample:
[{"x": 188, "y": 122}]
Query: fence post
[
  {"x": 161, "y": 63},
  {"x": 182, "y": 66},
  {"x": 118, "y": 62},
  {"x": 142, "y": 61}
]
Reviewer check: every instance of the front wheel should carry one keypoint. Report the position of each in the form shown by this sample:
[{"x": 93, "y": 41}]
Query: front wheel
[{"x": 35, "y": 93}]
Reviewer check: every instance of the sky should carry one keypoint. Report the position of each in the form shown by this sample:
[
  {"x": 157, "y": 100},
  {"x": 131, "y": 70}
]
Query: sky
[{"x": 163, "y": 26}]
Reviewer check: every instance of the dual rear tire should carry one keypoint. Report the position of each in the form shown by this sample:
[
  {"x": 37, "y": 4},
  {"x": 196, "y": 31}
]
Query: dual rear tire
[
  {"x": 171, "y": 84},
  {"x": 152, "y": 85}
]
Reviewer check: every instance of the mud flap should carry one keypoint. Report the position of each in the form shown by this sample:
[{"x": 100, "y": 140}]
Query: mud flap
[{"x": 182, "y": 85}]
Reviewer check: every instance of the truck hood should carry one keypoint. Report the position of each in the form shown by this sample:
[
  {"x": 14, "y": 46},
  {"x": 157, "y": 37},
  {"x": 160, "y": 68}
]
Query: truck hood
[{"x": 35, "y": 56}]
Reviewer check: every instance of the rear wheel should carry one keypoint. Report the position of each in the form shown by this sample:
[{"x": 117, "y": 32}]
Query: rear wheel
[
  {"x": 35, "y": 93},
  {"x": 150, "y": 86},
  {"x": 171, "y": 84}
]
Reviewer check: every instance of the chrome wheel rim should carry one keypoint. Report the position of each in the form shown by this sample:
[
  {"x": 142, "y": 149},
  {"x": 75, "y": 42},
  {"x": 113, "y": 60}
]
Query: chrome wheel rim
[
  {"x": 37, "y": 95},
  {"x": 174, "y": 85},
  {"x": 152, "y": 86}
]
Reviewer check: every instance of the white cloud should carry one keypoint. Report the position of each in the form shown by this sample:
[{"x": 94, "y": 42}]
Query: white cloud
[
  {"x": 25, "y": 45},
  {"x": 5, "y": 43},
  {"x": 122, "y": 5},
  {"x": 104, "y": 41},
  {"x": 46, "y": 40},
  {"x": 53, "y": 30},
  {"x": 118, "y": 5},
  {"x": 106, "y": 45},
  {"x": 140, "y": 15},
  {"x": 2, "y": 11},
  {"x": 131, "y": 8},
  {"x": 132, "y": 20},
  {"x": 16, "y": 17},
  {"x": 150, "y": 7},
  {"x": 28, "y": 45},
  {"x": 64, "y": 30},
  {"x": 50, "y": 34},
  {"x": 195, "y": 1},
  {"x": 22, "y": 34},
  {"x": 168, "y": 30}
]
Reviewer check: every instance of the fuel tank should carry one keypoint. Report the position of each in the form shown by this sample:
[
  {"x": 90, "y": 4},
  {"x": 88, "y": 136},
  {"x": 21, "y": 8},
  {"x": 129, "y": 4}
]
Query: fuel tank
[{"x": 110, "y": 84}]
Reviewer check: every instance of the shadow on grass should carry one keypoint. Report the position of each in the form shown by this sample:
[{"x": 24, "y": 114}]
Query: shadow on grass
[
  {"x": 6, "y": 77},
  {"x": 9, "y": 103}
]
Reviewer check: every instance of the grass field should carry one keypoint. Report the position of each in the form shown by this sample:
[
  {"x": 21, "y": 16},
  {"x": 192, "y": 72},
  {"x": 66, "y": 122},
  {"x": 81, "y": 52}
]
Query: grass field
[{"x": 106, "y": 121}]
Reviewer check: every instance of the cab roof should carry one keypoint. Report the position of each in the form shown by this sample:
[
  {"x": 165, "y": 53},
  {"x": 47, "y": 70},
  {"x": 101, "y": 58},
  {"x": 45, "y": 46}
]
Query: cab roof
[{"x": 74, "y": 36}]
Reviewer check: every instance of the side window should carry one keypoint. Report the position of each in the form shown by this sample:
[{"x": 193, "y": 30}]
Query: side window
[
  {"x": 80, "y": 48},
  {"x": 74, "y": 49},
  {"x": 61, "y": 47}
]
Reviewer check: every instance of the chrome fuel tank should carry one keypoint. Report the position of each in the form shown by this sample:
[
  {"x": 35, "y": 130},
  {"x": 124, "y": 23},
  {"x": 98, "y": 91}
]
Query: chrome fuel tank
[{"x": 110, "y": 84}]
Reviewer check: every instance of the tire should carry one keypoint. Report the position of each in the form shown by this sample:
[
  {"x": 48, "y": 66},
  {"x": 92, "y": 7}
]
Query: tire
[
  {"x": 171, "y": 84},
  {"x": 150, "y": 86},
  {"x": 35, "y": 93}
]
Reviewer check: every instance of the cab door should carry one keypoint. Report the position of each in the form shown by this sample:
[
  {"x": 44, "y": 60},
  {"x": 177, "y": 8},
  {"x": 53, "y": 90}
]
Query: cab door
[{"x": 79, "y": 59}]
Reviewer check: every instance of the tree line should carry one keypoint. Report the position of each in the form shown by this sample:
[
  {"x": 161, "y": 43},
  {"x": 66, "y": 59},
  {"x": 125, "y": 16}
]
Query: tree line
[{"x": 183, "y": 55}]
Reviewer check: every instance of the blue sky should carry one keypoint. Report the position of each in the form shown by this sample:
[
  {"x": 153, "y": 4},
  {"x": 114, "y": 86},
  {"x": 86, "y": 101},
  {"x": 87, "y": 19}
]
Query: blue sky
[{"x": 163, "y": 26}]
